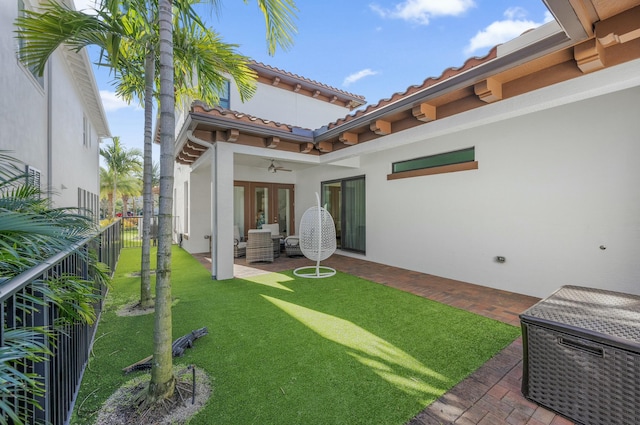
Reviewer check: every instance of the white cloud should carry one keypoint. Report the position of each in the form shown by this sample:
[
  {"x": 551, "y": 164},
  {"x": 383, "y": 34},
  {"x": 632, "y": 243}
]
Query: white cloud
[
  {"x": 358, "y": 76},
  {"x": 498, "y": 32},
  {"x": 422, "y": 11},
  {"x": 112, "y": 102},
  {"x": 514, "y": 13}
]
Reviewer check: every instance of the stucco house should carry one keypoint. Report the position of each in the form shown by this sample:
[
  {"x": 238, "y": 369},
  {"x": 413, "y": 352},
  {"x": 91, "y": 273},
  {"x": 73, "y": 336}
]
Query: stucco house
[
  {"x": 515, "y": 171},
  {"x": 53, "y": 123}
]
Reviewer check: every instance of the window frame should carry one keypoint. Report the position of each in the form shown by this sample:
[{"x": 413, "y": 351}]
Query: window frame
[
  {"x": 445, "y": 162},
  {"x": 352, "y": 233},
  {"x": 224, "y": 96}
]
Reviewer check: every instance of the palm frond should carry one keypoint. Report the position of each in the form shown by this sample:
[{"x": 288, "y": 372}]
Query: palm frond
[
  {"x": 56, "y": 24},
  {"x": 279, "y": 18}
]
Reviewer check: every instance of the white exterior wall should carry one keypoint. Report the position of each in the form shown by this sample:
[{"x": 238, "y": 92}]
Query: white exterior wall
[
  {"x": 24, "y": 117},
  {"x": 200, "y": 208},
  {"x": 23, "y": 104},
  {"x": 74, "y": 164},
  {"x": 181, "y": 174},
  {"x": 551, "y": 188},
  {"x": 287, "y": 107}
]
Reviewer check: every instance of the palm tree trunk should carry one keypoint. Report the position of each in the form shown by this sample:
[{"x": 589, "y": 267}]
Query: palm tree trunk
[
  {"x": 147, "y": 199},
  {"x": 113, "y": 196},
  {"x": 162, "y": 382},
  {"x": 125, "y": 202},
  {"x": 111, "y": 203}
]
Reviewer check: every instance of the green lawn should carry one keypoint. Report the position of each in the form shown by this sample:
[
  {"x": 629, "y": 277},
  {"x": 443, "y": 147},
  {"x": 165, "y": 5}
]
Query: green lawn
[{"x": 285, "y": 350}]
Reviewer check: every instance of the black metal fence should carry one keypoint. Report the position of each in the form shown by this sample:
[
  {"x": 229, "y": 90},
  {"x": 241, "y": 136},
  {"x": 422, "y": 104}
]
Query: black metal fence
[
  {"x": 61, "y": 373},
  {"x": 132, "y": 231}
]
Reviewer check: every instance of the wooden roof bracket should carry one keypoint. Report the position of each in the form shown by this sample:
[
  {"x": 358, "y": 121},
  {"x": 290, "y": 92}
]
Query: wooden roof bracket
[
  {"x": 271, "y": 142},
  {"x": 380, "y": 127},
  {"x": 424, "y": 112},
  {"x": 306, "y": 147},
  {"x": 489, "y": 90},
  {"x": 620, "y": 28},
  {"x": 589, "y": 55},
  {"x": 232, "y": 135},
  {"x": 325, "y": 146},
  {"x": 348, "y": 138}
]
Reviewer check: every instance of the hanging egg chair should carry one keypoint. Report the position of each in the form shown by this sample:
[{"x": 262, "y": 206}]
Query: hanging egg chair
[{"x": 317, "y": 241}]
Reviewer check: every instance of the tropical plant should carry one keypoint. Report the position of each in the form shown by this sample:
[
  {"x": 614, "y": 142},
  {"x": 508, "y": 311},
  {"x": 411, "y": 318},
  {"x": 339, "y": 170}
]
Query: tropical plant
[
  {"x": 121, "y": 163},
  {"x": 106, "y": 188},
  {"x": 278, "y": 16},
  {"x": 31, "y": 232},
  {"x": 127, "y": 33},
  {"x": 44, "y": 32},
  {"x": 129, "y": 187}
]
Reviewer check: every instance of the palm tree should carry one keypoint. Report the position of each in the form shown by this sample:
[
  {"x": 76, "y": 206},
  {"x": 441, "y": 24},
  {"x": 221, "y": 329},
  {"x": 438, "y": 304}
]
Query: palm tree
[
  {"x": 129, "y": 186},
  {"x": 129, "y": 41},
  {"x": 120, "y": 162},
  {"x": 200, "y": 52},
  {"x": 106, "y": 187},
  {"x": 31, "y": 232},
  {"x": 278, "y": 16},
  {"x": 44, "y": 33}
]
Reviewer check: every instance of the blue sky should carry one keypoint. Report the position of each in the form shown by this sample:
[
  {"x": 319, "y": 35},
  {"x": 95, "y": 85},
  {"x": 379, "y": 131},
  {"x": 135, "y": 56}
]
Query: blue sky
[{"x": 372, "y": 48}]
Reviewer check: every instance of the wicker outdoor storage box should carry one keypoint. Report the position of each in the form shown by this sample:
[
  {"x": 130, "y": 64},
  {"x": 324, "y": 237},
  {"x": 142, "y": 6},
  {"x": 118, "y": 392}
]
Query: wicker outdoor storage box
[{"x": 581, "y": 355}]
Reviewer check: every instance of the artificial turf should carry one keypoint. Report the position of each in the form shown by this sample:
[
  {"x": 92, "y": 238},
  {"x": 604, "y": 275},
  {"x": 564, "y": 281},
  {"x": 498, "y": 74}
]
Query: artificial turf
[{"x": 288, "y": 350}]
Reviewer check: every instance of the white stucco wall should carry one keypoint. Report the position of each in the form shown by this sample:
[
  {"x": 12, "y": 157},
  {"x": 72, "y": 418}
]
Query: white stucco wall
[
  {"x": 287, "y": 107},
  {"x": 551, "y": 188},
  {"x": 200, "y": 207},
  {"x": 24, "y": 117},
  {"x": 23, "y": 102},
  {"x": 181, "y": 174},
  {"x": 74, "y": 164}
]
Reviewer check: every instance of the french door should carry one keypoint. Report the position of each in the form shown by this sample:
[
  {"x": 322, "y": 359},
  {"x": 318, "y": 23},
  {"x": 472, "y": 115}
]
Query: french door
[
  {"x": 257, "y": 203},
  {"x": 345, "y": 201}
]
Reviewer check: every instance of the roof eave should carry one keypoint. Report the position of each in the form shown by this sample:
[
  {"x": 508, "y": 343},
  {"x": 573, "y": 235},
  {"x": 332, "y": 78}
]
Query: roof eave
[
  {"x": 223, "y": 123},
  {"x": 556, "y": 40},
  {"x": 80, "y": 66},
  {"x": 269, "y": 71}
]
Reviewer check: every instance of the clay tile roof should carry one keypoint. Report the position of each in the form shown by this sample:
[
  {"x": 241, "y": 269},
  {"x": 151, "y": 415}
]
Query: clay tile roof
[
  {"x": 220, "y": 112},
  {"x": 446, "y": 74},
  {"x": 259, "y": 65}
]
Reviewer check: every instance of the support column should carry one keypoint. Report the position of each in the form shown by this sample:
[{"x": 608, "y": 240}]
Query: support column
[{"x": 222, "y": 212}]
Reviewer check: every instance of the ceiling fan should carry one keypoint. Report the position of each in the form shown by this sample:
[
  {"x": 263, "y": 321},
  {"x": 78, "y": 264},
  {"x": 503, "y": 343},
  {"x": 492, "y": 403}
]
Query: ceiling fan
[{"x": 273, "y": 168}]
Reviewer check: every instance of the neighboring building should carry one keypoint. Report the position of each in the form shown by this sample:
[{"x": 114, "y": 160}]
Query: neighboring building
[
  {"x": 516, "y": 171},
  {"x": 52, "y": 123}
]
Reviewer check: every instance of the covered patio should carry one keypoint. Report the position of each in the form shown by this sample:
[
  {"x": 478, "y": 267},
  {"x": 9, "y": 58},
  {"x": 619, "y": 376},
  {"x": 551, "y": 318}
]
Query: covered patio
[{"x": 491, "y": 395}]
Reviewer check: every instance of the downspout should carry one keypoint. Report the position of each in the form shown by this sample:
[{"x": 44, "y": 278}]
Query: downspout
[
  {"x": 214, "y": 213},
  {"x": 201, "y": 142}
]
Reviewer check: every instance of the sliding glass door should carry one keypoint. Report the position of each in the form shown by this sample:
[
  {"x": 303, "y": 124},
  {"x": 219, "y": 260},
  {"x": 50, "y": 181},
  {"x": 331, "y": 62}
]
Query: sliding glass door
[{"x": 345, "y": 200}]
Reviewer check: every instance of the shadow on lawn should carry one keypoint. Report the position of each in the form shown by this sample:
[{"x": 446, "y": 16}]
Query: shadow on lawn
[
  {"x": 372, "y": 322},
  {"x": 289, "y": 350},
  {"x": 370, "y": 350}
]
